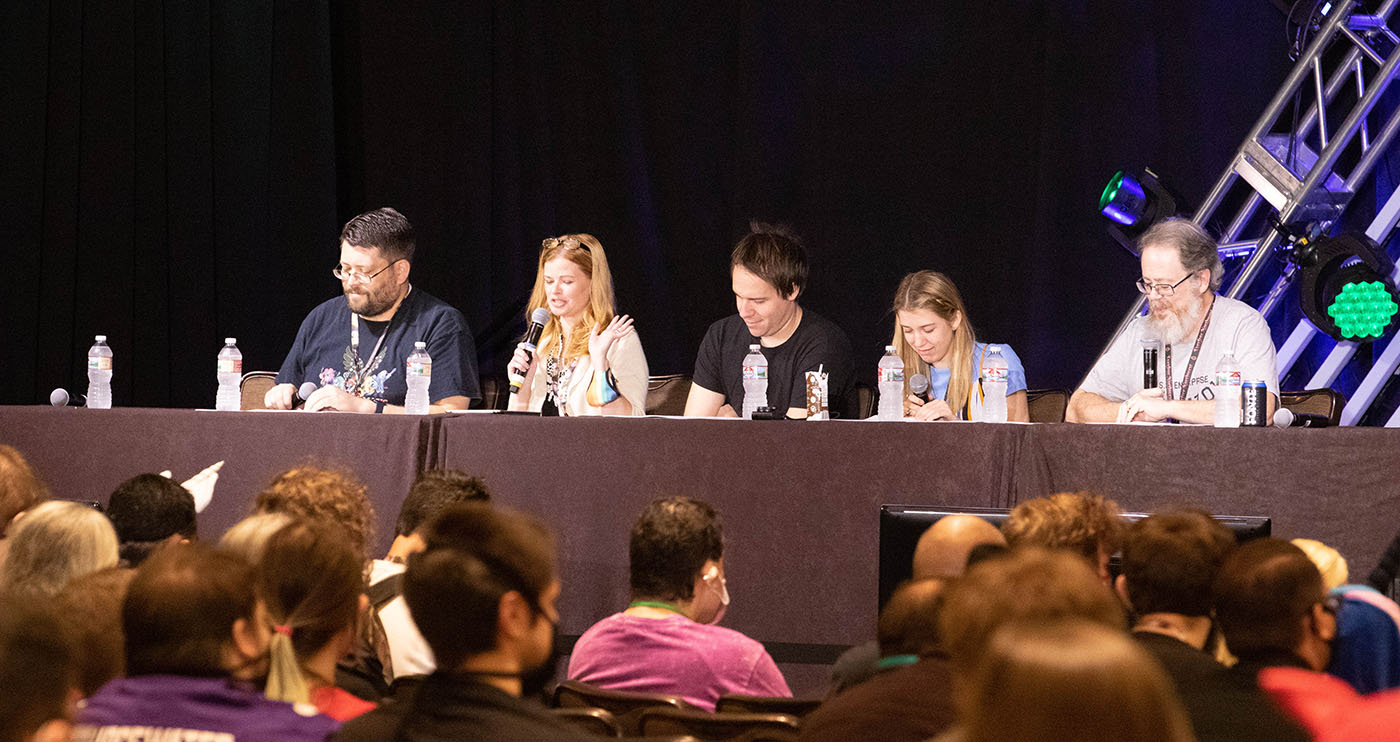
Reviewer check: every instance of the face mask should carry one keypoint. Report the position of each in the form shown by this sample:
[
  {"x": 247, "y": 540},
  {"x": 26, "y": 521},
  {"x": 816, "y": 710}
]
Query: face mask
[
  {"x": 711, "y": 578},
  {"x": 534, "y": 681}
]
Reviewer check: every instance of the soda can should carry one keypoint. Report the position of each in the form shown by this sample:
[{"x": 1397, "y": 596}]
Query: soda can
[{"x": 1254, "y": 402}]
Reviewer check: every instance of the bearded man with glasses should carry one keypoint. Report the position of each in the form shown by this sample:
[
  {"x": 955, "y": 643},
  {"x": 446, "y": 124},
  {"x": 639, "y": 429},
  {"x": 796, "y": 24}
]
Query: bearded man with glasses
[
  {"x": 1181, "y": 272},
  {"x": 354, "y": 349}
]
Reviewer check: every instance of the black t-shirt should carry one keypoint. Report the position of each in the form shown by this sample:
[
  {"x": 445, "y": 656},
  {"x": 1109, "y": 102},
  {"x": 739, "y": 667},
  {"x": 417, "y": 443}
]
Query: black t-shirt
[
  {"x": 322, "y": 352},
  {"x": 817, "y": 342}
]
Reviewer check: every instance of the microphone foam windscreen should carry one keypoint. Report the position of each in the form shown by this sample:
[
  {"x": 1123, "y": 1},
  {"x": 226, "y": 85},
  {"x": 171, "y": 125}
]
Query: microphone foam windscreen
[
  {"x": 58, "y": 398},
  {"x": 540, "y": 316},
  {"x": 918, "y": 383},
  {"x": 306, "y": 390}
]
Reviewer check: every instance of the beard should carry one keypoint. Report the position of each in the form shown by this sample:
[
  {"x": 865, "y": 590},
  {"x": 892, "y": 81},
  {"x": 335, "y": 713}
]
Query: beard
[
  {"x": 1176, "y": 325},
  {"x": 372, "y": 301}
]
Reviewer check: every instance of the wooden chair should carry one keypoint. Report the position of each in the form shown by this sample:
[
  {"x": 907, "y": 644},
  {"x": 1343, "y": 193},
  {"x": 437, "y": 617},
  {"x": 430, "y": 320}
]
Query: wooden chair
[
  {"x": 719, "y": 726},
  {"x": 252, "y": 388},
  {"x": 666, "y": 394},
  {"x": 1321, "y": 402},
  {"x": 1047, "y": 405},
  {"x": 626, "y": 707},
  {"x": 495, "y": 394},
  {"x": 593, "y": 721},
  {"x": 798, "y": 707}
]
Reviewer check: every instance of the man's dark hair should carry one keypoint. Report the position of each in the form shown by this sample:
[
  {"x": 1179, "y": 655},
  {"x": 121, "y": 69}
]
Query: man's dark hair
[
  {"x": 774, "y": 254},
  {"x": 474, "y": 555},
  {"x": 36, "y": 668},
  {"x": 1170, "y": 560},
  {"x": 669, "y": 544},
  {"x": 385, "y": 229},
  {"x": 909, "y": 621},
  {"x": 180, "y": 609},
  {"x": 148, "y": 509},
  {"x": 433, "y": 491},
  {"x": 1264, "y": 589}
]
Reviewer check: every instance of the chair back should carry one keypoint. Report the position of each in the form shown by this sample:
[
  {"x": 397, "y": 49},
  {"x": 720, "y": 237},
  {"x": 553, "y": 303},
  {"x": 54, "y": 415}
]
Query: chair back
[
  {"x": 1326, "y": 403},
  {"x": 595, "y": 721},
  {"x": 720, "y": 726},
  {"x": 865, "y": 400},
  {"x": 798, "y": 707},
  {"x": 252, "y": 389},
  {"x": 625, "y": 706},
  {"x": 666, "y": 395},
  {"x": 495, "y": 394},
  {"x": 1047, "y": 405}
]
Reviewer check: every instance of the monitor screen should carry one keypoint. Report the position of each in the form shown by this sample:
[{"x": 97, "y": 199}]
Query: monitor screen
[{"x": 902, "y": 525}]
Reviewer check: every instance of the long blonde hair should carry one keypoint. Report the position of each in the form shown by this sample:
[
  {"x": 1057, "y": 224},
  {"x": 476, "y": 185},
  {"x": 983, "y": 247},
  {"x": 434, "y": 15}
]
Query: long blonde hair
[
  {"x": 586, "y": 252},
  {"x": 935, "y": 292}
]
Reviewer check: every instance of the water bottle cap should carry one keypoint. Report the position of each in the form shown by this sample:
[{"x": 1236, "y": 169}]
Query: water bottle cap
[
  {"x": 419, "y": 344},
  {"x": 889, "y": 348},
  {"x": 101, "y": 338},
  {"x": 230, "y": 341},
  {"x": 993, "y": 348},
  {"x": 753, "y": 348}
]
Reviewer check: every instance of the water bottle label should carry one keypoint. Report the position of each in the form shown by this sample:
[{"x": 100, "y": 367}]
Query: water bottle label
[
  {"x": 1228, "y": 378},
  {"x": 755, "y": 372},
  {"x": 231, "y": 366},
  {"x": 420, "y": 368},
  {"x": 995, "y": 375},
  {"x": 891, "y": 374},
  {"x": 99, "y": 363}
]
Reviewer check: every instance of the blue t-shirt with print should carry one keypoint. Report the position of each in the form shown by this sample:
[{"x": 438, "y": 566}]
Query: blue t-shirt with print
[
  {"x": 322, "y": 352},
  {"x": 1015, "y": 380}
]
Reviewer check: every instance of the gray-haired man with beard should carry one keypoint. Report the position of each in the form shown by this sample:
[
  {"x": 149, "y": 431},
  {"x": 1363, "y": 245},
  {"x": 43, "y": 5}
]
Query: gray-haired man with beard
[{"x": 1181, "y": 271}]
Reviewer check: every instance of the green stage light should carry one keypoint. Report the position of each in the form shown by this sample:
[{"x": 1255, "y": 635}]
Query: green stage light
[{"x": 1363, "y": 310}]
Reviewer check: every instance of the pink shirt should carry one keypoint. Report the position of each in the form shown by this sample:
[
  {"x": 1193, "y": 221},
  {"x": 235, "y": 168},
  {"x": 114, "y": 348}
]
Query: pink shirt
[{"x": 675, "y": 656}]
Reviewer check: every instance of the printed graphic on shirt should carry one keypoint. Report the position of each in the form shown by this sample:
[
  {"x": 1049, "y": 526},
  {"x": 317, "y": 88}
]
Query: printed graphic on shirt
[
  {"x": 359, "y": 379},
  {"x": 83, "y": 733}
]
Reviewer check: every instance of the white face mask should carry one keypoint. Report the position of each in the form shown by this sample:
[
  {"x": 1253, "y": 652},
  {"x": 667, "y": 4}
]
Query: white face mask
[{"x": 711, "y": 577}]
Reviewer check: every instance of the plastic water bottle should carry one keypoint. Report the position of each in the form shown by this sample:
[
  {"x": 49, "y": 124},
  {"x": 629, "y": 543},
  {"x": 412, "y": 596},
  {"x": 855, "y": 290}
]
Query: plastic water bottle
[
  {"x": 418, "y": 373},
  {"x": 890, "y": 382},
  {"x": 1228, "y": 379},
  {"x": 230, "y": 374},
  {"x": 995, "y": 374},
  {"x": 99, "y": 395},
  {"x": 755, "y": 381}
]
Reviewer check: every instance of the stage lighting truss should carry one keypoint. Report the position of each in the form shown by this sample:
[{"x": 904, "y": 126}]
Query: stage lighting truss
[
  {"x": 1345, "y": 287},
  {"x": 1133, "y": 201}
]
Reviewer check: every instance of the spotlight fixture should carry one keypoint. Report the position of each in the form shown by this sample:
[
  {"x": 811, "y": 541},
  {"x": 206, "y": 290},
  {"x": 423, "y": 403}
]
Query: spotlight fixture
[
  {"x": 1133, "y": 201},
  {"x": 1346, "y": 289}
]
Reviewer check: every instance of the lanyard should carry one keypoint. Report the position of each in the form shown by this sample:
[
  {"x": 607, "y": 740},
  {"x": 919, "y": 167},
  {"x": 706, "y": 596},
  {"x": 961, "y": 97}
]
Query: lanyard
[{"x": 1190, "y": 365}]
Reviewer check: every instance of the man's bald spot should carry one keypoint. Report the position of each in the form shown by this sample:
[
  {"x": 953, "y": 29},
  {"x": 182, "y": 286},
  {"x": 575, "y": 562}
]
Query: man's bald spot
[{"x": 943, "y": 549}]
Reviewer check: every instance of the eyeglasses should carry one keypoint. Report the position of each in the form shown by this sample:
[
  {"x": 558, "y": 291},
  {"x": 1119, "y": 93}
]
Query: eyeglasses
[
  {"x": 1162, "y": 289},
  {"x": 355, "y": 275},
  {"x": 567, "y": 243}
]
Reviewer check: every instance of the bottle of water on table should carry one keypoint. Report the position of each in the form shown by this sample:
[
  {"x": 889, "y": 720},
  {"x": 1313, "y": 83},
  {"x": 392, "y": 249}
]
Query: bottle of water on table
[
  {"x": 418, "y": 373},
  {"x": 1228, "y": 379},
  {"x": 890, "y": 380},
  {"x": 755, "y": 381},
  {"x": 995, "y": 374},
  {"x": 99, "y": 394},
  {"x": 230, "y": 374}
]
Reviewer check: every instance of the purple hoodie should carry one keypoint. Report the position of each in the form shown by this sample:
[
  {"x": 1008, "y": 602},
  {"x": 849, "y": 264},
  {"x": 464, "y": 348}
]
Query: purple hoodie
[{"x": 181, "y": 709}]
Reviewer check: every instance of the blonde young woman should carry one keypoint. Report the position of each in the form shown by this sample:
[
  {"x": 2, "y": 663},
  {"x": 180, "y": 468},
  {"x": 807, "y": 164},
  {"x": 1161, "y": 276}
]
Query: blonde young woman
[
  {"x": 934, "y": 337},
  {"x": 589, "y": 360}
]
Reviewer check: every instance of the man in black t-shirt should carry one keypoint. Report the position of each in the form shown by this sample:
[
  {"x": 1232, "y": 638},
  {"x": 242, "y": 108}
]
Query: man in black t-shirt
[
  {"x": 768, "y": 270},
  {"x": 355, "y": 348}
]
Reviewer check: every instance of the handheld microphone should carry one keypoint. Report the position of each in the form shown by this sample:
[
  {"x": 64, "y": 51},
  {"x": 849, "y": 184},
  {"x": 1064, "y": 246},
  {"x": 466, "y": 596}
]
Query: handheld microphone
[
  {"x": 303, "y": 393},
  {"x": 918, "y": 384},
  {"x": 1286, "y": 418},
  {"x": 532, "y": 336},
  {"x": 1150, "y": 346},
  {"x": 60, "y": 398}
]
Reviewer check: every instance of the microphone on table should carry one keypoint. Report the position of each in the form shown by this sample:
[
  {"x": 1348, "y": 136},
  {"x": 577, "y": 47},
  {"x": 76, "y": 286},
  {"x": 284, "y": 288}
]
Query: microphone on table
[
  {"x": 303, "y": 393},
  {"x": 918, "y": 384},
  {"x": 1286, "y": 418},
  {"x": 60, "y": 398},
  {"x": 532, "y": 336}
]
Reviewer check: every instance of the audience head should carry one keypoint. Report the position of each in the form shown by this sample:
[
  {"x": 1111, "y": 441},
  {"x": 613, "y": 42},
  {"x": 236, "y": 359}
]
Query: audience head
[
  {"x": 1071, "y": 681},
  {"x": 1027, "y": 583},
  {"x": 1269, "y": 600},
  {"x": 1170, "y": 560},
  {"x": 944, "y": 547},
  {"x": 20, "y": 487},
  {"x": 485, "y": 586},
  {"x": 432, "y": 492},
  {"x": 148, "y": 509},
  {"x": 36, "y": 669},
  {"x": 310, "y": 580},
  {"x": 768, "y": 271},
  {"x": 248, "y": 537},
  {"x": 191, "y": 610},
  {"x": 909, "y": 621},
  {"x": 332, "y": 497},
  {"x": 91, "y": 609},
  {"x": 676, "y": 553},
  {"x": 55, "y": 542},
  {"x": 1087, "y": 524},
  {"x": 384, "y": 229},
  {"x": 1328, "y": 561},
  {"x": 931, "y": 326}
]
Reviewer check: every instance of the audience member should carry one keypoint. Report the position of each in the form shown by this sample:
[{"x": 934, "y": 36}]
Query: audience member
[
  {"x": 37, "y": 679},
  {"x": 1366, "y": 651},
  {"x": 1170, "y": 561},
  {"x": 55, "y": 542},
  {"x": 147, "y": 510},
  {"x": 325, "y": 496},
  {"x": 90, "y": 607},
  {"x": 20, "y": 489},
  {"x": 195, "y": 634},
  {"x": 1328, "y": 560},
  {"x": 665, "y": 641},
  {"x": 310, "y": 581},
  {"x": 1070, "y": 681},
  {"x": 911, "y": 697},
  {"x": 483, "y": 594},
  {"x": 1082, "y": 522},
  {"x": 248, "y": 537}
]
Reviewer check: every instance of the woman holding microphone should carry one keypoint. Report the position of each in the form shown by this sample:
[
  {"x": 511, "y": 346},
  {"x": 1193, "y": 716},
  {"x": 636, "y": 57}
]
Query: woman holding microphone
[{"x": 589, "y": 360}]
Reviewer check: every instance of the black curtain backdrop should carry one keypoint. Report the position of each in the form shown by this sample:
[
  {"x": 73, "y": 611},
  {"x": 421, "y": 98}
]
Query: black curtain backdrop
[{"x": 177, "y": 172}]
